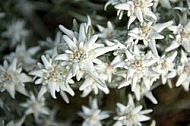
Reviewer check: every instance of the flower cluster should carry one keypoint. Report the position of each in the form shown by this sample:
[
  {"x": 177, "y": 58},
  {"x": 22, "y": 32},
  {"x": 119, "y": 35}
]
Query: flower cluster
[{"x": 117, "y": 65}]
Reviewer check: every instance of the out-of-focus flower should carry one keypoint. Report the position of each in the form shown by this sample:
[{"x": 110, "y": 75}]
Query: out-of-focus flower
[
  {"x": 16, "y": 32},
  {"x": 12, "y": 79},
  {"x": 49, "y": 120},
  {"x": 131, "y": 115},
  {"x": 35, "y": 106},
  {"x": 2, "y": 14},
  {"x": 23, "y": 56},
  {"x": 52, "y": 76},
  {"x": 93, "y": 116},
  {"x": 15, "y": 123},
  {"x": 106, "y": 32},
  {"x": 57, "y": 43}
]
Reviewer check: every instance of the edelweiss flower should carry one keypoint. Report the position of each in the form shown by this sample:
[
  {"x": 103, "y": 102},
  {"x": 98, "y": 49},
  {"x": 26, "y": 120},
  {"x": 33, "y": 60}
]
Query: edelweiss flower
[
  {"x": 16, "y": 32},
  {"x": 181, "y": 37},
  {"x": 23, "y": 56},
  {"x": 83, "y": 53},
  {"x": 139, "y": 9},
  {"x": 49, "y": 120},
  {"x": 184, "y": 71},
  {"x": 35, "y": 106},
  {"x": 12, "y": 79},
  {"x": 138, "y": 67},
  {"x": 93, "y": 115},
  {"x": 15, "y": 123},
  {"x": 149, "y": 33},
  {"x": 130, "y": 115},
  {"x": 52, "y": 77},
  {"x": 165, "y": 67}
]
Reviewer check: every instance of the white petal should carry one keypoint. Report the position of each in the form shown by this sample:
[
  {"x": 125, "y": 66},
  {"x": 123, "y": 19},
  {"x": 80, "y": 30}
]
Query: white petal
[
  {"x": 149, "y": 15},
  {"x": 137, "y": 109},
  {"x": 70, "y": 43},
  {"x": 125, "y": 83},
  {"x": 123, "y": 6},
  {"x": 22, "y": 90},
  {"x": 152, "y": 45},
  {"x": 11, "y": 90},
  {"x": 139, "y": 14},
  {"x": 64, "y": 96},
  {"x": 90, "y": 43},
  {"x": 24, "y": 78},
  {"x": 13, "y": 65},
  {"x": 131, "y": 19},
  {"x": 42, "y": 91},
  {"x": 171, "y": 58},
  {"x": 64, "y": 57},
  {"x": 69, "y": 90},
  {"x": 160, "y": 26},
  {"x": 186, "y": 45},
  {"x": 102, "y": 50},
  {"x": 173, "y": 46},
  {"x": 66, "y": 31},
  {"x": 121, "y": 107},
  {"x": 47, "y": 64},
  {"x": 134, "y": 83},
  {"x": 150, "y": 96},
  {"x": 52, "y": 89},
  {"x": 82, "y": 33},
  {"x": 104, "y": 89},
  {"x": 130, "y": 72},
  {"x": 142, "y": 118},
  {"x": 181, "y": 79},
  {"x": 183, "y": 57}
]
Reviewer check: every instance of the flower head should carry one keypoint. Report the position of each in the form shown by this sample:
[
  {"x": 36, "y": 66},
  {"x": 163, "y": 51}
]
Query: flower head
[
  {"x": 52, "y": 76},
  {"x": 93, "y": 115},
  {"x": 12, "y": 79},
  {"x": 35, "y": 106},
  {"x": 83, "y": 53},
  {"x": 23, "y": 56},
  {"x": 130, "y": 115},
  {"x": 16, "y": 32},
  {"x": 139, "y": 9}
]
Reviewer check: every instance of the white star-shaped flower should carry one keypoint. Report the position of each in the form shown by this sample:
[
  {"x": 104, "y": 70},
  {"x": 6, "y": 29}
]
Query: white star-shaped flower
[
  {"x": 139, "y": 9},
  {"x": 131, "y": 115},
  {"x": 138, "y": 67},
  {"x": 12, "y": 79},
  {"x": 181, "y": 37},
  {"x": 16, "y": 32},
  {"x": 149, "y": 33},
  {"x": 24, "y": 56},
  {"x": 82, "y": 53},
  {"x": 52, "y": 77},
  {"x": 166, "y": 66},
  {"x": 35, "y": 106},
  {"x": 93, "y": 116}
]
